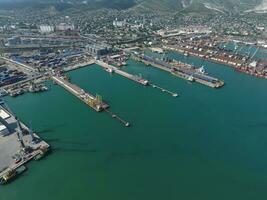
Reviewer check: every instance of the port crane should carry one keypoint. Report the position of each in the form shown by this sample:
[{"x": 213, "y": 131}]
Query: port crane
[
  {"x": 254, "y": 54},
  {"x": 19, "y": 131}
]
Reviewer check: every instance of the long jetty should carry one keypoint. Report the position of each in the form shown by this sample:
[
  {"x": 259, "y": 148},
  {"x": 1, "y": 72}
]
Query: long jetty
[
  {"x": 230, "y": 60},
  {"x": 111, "y": 69},
  {"x": 89, "y": 99},
  {"x": 180, "y": 71},
  {"x": 202, "y": 55},
  {"x": 92, "y": 101},
  {"x": 78, "y": 66}
]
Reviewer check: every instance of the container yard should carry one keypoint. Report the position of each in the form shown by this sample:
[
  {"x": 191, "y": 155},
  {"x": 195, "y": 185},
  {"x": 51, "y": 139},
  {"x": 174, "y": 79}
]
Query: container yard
[
  {"x": 10, "y": 76},
  {"x": 17, "y": 78},
  {"x": 41, "y": 60}
]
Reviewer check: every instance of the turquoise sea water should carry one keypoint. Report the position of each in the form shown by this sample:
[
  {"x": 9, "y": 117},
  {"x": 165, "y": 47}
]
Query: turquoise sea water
[{"x": 206, "y": 144}]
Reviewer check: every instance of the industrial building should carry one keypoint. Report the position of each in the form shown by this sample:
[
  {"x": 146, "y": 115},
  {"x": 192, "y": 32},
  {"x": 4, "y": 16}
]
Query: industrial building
[
  {"x": 117, "y": 23},
  {"x": 3, "y": 123},
  {"x": 3, "y": 130},
  {"x": 46, "y": 29},
  {"x": 65, "y": 27},
  {"x": 13, "y": 41},
  {"x": 97, "y": 50}
]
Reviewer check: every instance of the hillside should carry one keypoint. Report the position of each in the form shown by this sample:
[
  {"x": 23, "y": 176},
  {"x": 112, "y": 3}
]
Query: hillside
[
  {"x": 201, "y": 6},
  {"x": 183, "y": 6}
]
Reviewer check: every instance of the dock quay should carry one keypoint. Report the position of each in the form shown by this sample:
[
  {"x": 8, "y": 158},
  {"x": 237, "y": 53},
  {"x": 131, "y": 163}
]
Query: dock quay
[
  {"x": 25, "y": 67},
  {"x": 94, "y": 102},
  {"x": 180, "y": 70},
  {"x": 137, "y": 79},
  {"x": 201, "y": 55},
  {"x": 230, "y": 60},
  {"x": 18, "y": 146},
  {"x": 78, "y": 66},
  {"x": 111, "y": 69}
]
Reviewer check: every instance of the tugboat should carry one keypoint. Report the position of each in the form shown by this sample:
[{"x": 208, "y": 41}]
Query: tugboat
[
  {"x": 124, "y": 63},
  {"x": 110, "y": 70},
  {"x": 190, "y": 78},
  {"x": 20, "y": 92},
  {"x": 3, "y": 93}
]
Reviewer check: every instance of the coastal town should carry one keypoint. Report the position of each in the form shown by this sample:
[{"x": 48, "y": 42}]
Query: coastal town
[{"x": 35, "y": 50}]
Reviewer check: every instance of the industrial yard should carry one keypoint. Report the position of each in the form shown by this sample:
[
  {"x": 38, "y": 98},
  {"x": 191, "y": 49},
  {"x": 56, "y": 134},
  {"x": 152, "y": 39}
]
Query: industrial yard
[
  {"x": 133, "y": 99},
  {"x": 18, "y": 145}
]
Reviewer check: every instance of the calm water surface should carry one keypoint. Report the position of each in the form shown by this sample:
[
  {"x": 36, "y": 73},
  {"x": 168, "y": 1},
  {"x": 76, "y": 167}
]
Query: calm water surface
[{"x": 207, "y": 144}]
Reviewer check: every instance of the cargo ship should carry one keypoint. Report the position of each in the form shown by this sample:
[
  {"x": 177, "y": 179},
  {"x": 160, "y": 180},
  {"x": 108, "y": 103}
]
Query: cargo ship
[
  {"x": 12, "y": 174},
  {"x": 182, "y": 70}
]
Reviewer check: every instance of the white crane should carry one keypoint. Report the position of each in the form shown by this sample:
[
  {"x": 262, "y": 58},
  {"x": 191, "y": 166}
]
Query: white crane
[{"x": 19, "y": 128}]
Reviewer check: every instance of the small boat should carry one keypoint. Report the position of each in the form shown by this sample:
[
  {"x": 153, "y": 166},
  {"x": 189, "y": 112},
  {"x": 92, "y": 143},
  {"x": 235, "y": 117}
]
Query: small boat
[
  {"x": 110, "y": 70},
  {"x": 3, "y": 93},
  {"x": 124, "y": 63},
  {"x": 190, "y": 78},
  {"x": 201, "y": 70}
]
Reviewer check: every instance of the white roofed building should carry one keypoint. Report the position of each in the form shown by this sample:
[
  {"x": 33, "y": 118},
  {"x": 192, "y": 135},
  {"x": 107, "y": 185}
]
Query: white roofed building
[
  {"x": 65, "y": 27},
  {"x": 4, "y": 114},
  {"x": 46, "y": 29},
  {"x": 3, "y": 130}
]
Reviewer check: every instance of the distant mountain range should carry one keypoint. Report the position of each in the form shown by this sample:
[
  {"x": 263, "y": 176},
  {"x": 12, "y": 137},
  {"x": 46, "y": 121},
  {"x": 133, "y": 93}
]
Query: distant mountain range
[
  {"x": 202, "y": 6},
  {"x": 183, "y": 6}
]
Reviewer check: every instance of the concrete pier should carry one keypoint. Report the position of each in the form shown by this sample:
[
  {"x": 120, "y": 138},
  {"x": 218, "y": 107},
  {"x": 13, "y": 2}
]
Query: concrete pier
[
  {"x": 180, "y": 70},
  {"x": 12, "y": 154},
  {"x": 78, "y": 66},
  {"x": 94, "y": 102},
  {"x": 112, "y": 69}
]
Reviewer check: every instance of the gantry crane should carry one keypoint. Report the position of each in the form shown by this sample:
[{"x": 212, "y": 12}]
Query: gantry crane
[{"x": 19, "y": 131}]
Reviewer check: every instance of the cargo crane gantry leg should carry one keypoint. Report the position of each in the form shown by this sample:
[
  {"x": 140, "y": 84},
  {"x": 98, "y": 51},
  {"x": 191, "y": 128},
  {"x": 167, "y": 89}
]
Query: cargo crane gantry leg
[{"x": 19, "y": 130}]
